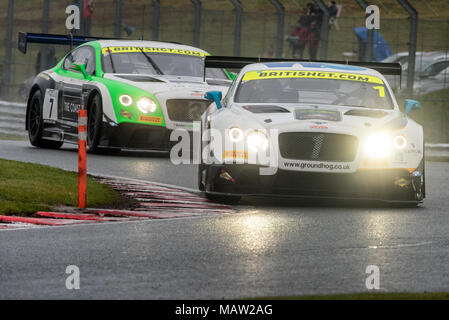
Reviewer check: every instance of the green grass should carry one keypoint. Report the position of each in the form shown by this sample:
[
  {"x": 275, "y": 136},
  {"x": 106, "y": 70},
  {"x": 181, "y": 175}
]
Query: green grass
[
  {"x": 369, "y": 296},
  {"x": 26, "y": 188}
]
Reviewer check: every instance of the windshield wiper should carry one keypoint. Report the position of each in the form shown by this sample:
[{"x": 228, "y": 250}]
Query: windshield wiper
[{"x": 151, "y": 61}]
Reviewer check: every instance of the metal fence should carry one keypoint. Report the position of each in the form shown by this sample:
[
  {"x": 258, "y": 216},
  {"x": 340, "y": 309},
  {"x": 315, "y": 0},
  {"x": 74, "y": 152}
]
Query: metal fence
[
  {"x": 12, "y": 119},
  {"x": 218, "y": 31}
]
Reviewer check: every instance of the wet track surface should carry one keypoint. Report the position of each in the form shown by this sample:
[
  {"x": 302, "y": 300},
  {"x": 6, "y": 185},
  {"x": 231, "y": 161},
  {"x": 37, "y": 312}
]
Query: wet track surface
[{"x": 272, "y": 248}]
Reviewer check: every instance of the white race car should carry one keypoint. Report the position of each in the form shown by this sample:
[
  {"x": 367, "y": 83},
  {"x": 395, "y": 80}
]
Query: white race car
[
  {"x": 135, "y": 92},
  {"x": 314, "y": 130}
]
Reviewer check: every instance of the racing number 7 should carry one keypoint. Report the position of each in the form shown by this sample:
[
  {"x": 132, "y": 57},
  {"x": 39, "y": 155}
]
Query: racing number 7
[
  {"x": 381, "y": 90},
  {"x": 51, "y": 106}
]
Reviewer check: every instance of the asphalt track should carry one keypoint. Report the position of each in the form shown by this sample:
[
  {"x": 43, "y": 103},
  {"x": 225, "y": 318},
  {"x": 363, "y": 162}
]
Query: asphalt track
[{"x": 268, "y": 248}]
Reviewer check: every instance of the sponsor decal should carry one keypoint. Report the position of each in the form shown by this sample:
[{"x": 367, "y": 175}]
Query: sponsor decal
[
  {"x": 283, "y": 74},
  {"x": 187, "y": 125},
  {"x": 318, "y": 127},
  {"x": 150, "y": 119},
  {"x": 108, "y": 50},
  {"x": 412, "y": 151},
  {"x": 197, "y": 93},
  {"x": 71, "y": 107},
  {"x": 234, "y": 154},
  {"x": 126, "y": 114},
  {"x": 321, "y": 165},
  {"x": 401, "y": 182}
]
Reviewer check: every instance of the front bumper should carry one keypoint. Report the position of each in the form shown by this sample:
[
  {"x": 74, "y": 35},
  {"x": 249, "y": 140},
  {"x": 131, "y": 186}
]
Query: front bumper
[
  {"x": 378, "y": 184},
  {"x": 136, "y": 136}
]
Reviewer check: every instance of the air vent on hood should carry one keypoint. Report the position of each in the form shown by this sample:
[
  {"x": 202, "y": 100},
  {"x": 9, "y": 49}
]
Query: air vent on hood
[
  {"x": 366, "y": 113},
  {"x": 218, "y": 82},
  {"x": 140, "y": 78},
  {"x": 265, "y": 109}
]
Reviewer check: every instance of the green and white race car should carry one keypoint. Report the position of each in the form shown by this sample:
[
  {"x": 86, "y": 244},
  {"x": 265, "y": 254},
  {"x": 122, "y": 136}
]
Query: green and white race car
[{"x": 135, "y": 93}]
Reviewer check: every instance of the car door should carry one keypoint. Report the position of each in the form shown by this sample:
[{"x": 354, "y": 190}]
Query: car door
[{"x": 72, "y": 86}]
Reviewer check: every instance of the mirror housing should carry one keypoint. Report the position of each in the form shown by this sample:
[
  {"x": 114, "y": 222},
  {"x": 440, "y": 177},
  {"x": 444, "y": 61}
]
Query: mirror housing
[
  {"x": 214, "y": 96},
  {"x": 410, "y": 105},
  {"x": 81, "y": 68}
]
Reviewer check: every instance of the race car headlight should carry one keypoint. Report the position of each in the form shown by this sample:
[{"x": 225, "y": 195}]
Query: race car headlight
[
  {"x": 126, "y": 100},
  {"x": 378, "y": 145},
  {"x": 399, "y": 142},
  {"x": 257, "y": 141},
  {"x": 235, "y": 134},
  {"x": 146, "y": 105}
]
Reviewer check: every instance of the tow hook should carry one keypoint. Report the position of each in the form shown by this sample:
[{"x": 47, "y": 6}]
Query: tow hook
[{"x": 226, "y": 176}]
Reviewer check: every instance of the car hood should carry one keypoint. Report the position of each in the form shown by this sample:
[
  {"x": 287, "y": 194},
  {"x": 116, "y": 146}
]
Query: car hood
[
  {"x": 157, "y": 84},
  {"x": 289, "y": 117}
]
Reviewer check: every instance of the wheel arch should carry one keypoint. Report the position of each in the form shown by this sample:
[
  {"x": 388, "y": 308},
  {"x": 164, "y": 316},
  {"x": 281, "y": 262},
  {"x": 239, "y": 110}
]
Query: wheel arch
[
  {"x": 91, "y": 94},
  {"x": 98, "y": 88}
]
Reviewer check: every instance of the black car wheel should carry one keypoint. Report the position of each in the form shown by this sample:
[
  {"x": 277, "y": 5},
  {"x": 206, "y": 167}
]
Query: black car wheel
[
  {"x": 94, "y": 120},
  {"x": 35, "y": 124}
]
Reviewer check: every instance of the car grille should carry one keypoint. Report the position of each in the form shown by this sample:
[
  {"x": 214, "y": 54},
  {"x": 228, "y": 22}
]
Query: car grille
[
  {"x": 318, "y": 146},
  {"x": 186, "y": 110}
]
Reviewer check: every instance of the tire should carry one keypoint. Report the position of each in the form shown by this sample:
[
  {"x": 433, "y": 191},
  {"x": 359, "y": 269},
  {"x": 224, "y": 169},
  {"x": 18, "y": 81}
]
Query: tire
[
  {"x": 35, "y": 124},
  {"x": 226, "y": 199},
  {"x": 94, "y": 122}
]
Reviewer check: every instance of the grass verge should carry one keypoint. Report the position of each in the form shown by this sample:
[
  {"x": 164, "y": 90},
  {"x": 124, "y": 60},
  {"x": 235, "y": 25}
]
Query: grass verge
[
  {"x": 369, "y": 296},
  {"x": 26, "y": 188}
]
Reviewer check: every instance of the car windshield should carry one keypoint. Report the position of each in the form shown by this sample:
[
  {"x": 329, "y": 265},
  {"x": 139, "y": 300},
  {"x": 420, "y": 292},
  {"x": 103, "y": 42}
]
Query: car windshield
[
  {"x": 435, "y": 68},
  {"x": 153, "y": 61},
  {"x": 333, "y": 88}
]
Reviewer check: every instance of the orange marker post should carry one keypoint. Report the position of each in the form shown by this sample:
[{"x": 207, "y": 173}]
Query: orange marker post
[{"x": 82, "y": 139}]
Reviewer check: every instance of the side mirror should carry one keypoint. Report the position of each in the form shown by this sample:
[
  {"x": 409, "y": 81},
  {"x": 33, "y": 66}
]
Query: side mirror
[
  {"x": 81, "y": 68},
  {"x": 411, "y": 105},
  {"x": 230, "y": 75},
  {"x": 214, "y": 96}
]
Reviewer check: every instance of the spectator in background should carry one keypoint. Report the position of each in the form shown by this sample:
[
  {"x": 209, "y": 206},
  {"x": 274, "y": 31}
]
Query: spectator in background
[
  {"x": 313, "y": 39},
  {"x": 316, "y": 14},
  {"x": 333, "y": 10},
  {"x": 298, "y": 39},
  {"x": 269, "y": 52},
  {"x": 88, "y": 12}
]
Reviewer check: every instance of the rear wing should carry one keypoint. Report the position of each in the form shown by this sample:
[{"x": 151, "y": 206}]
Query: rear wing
[
  {"x": 70, "y": 40},
  {"x": 61, "y": 39},
  {"x": 240, "y": 62}
]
